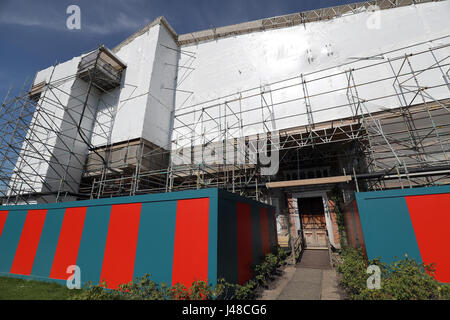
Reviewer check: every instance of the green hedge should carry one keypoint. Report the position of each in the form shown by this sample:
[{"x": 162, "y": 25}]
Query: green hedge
[
  {"x": 262, "y": 274},
  {"x": 145, "y": 289},
  {"x": 404, "y": 279}
]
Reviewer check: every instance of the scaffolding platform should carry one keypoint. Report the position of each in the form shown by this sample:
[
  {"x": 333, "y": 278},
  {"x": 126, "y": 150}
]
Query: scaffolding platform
[{"x": 103, "y": 68}]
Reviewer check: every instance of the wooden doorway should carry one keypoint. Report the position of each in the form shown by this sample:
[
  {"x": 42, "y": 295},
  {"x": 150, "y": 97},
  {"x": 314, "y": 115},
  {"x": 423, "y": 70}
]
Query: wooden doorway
[{"x": 313, "y": 223}]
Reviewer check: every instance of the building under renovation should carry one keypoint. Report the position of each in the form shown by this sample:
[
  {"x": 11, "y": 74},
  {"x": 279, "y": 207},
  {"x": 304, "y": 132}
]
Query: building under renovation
[{"x": 290, "y": 110}]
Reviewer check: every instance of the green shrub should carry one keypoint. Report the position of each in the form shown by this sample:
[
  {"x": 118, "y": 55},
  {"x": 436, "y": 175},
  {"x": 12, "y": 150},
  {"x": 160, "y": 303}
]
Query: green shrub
[
  {"x": 265, "y": 270},
  {"x": 281, "y": 256},
  {"x": 444, "y": 292},
  {"x": 200, "y": 290},
  {"x": 178, "y": 292},
  {"x": 145, "y": 289},
  {"x": 97, "y": 292},
  {"x": 404, "y": 279},
  {"x": 247, "y": 291},
  {"x": 225, "y": 290},
  {"x": 230, "y": 291},
  {"x": 262, "y": 274},
  {"x": 353, "y": 270}
]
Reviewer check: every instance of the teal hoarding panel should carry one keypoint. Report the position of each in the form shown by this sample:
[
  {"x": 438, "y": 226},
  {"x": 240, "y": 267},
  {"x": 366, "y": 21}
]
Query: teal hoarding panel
[
  {"x": 154, "y": 251},
  {"x": 387, "y": 228},
  {"x": 92, "y": 244},
  {"x": 10, "y": 238},
  {"x": 213, "y": 236},
  {"x": 47, "y": 244}
]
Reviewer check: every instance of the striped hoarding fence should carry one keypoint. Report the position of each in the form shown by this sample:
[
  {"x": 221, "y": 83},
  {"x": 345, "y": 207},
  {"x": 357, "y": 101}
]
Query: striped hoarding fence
[
  {"x": 413, "y": 222},
  {"x": 175, "y": 237}
]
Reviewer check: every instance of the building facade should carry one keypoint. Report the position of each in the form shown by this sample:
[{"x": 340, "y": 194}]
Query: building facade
[{"x": 354, "y": 97}]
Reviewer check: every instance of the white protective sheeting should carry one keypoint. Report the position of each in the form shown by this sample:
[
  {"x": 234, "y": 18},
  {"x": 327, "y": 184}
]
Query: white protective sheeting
[
  {"x": 46, "y": 157},
  {"x": 223, "y": 83},
  {"x": 226, "y": 67}
]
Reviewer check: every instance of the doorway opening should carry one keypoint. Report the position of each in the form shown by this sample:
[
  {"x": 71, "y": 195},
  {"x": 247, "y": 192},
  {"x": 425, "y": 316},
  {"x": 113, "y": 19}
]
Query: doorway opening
[{"x": 313, "y": 222}]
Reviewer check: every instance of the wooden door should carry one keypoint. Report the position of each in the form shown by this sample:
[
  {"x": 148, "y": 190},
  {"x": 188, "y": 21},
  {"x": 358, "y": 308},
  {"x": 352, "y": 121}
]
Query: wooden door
[
  {"x": 313, "y": 222},
  {"x": 315, "y": 238}
]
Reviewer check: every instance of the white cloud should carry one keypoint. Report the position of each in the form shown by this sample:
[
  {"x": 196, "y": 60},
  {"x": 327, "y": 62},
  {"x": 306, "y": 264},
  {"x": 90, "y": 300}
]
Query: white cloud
[
  {"x": 121, "y": 22},
  {"x": 95, "y": 19},
  {"x": 31, "y": 18},
  {"x": 25, "y": 22}
]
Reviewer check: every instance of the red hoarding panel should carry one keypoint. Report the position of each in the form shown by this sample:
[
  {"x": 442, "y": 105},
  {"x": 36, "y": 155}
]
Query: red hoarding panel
[
  {"x": 120, "y": 249},
  {"x": 68, "y": 242},
  {"x": 3, "y": 216},
  {"x": 190, "y": 256},
  {"x": 430, "y": 216},
  {"x": 29, "y": 241},
  {"x": 265, "y": 237},
  {"x": 244, "y": 228}
]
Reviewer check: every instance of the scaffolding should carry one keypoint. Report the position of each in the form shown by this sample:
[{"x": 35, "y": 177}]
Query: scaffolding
[
  {"x": 409, "y": 143},
  {"x": 406, "y": 146},
  {"x": 46, "y": 132}
]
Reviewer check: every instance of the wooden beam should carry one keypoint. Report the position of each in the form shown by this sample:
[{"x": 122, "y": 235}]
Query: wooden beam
[
  {"x": 37, "y": 88},
  {"x": 308, "y": 182}
]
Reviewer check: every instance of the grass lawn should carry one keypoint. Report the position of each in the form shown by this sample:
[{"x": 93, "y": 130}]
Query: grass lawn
[{"x": 19, "y": 289}]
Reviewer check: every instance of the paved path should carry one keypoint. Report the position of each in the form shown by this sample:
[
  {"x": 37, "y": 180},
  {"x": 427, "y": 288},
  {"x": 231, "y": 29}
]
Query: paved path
[{"x": 311, "y": 279}]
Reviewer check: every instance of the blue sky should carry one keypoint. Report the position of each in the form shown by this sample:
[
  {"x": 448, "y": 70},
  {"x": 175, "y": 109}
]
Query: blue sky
[{"x": 33, "y": 33}]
